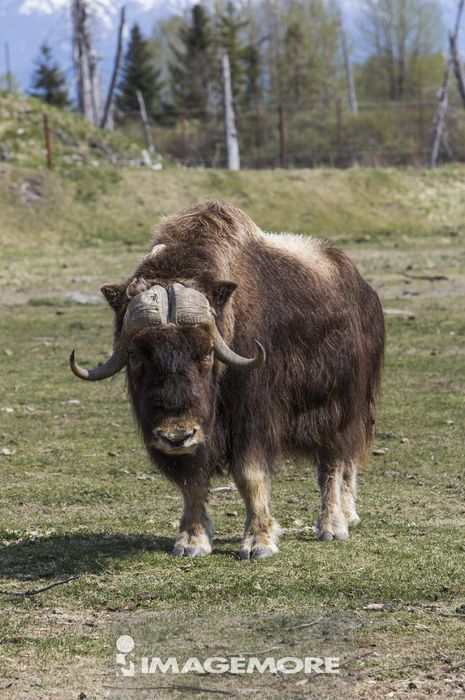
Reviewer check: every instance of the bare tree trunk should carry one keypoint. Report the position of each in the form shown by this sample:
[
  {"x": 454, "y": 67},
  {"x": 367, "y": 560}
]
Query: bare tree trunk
[
  {"x": 230, "y": 131},
  {"x": 458, "y": 69},
  {"x": 85, "y": 62},
  {"x": 116, "y": 65},
  {"x": 440, "y": 116},
  {"x": 458, "y": 17},
  {"x": 145, "y": 123},
  {"x": 439, "y": 121},
  {"x": 446, "y": 144},
  {"x": 347, "y": 64}
]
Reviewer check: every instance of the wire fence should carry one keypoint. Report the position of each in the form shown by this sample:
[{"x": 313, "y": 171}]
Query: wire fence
[{"x": 271, "y": 136}]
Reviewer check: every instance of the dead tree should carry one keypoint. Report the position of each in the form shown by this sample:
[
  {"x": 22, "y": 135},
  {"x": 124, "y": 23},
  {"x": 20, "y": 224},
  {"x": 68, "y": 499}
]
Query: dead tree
[
  {"x": 439, "y": 120},
  {"x": 85, "y": 62},
  {"x": 114, "y": 75},
  {"x": 145, "y": 124},
  {"x": 347, "y": 64},
  {"x": 230, "y": 131},
  {"x": 458, "y": 69}
]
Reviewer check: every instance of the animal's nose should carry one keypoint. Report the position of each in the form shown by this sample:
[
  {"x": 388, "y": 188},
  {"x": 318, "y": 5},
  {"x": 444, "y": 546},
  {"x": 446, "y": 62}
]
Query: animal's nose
[{"x": 176, "y": 438}]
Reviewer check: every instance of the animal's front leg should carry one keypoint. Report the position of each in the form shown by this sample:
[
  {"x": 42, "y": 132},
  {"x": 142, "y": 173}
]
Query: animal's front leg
[
  {"x": 332, "y": 523},
  {"x": 349, "y": 487},
  {"x": 195, "y": 536},
  {"x": 261, "y": 530}
]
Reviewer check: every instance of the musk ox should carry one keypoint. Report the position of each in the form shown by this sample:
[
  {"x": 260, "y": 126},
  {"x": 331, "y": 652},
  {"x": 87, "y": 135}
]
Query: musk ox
[{"x": 240, "y": 346}]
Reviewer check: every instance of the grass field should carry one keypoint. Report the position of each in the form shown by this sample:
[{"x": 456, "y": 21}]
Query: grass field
[{"x": 79, "y": 498}]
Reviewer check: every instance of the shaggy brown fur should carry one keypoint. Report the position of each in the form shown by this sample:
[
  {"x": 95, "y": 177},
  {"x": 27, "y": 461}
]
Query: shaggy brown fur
[{"x": 322, "y": 327}]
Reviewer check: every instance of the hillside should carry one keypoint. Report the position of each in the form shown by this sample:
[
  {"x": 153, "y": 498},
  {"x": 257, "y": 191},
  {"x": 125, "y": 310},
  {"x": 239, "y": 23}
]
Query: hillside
[
  {"x": 74, "y": 140},
  {"x": 98, "y": 195}
]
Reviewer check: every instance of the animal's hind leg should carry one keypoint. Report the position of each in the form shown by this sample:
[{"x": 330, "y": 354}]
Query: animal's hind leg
[
  {"x": 195, "y": 534},
  {"x": 332, "y": 523},
  {"x": 261, "y": 531},
  {"x": 348, "y": 493}
]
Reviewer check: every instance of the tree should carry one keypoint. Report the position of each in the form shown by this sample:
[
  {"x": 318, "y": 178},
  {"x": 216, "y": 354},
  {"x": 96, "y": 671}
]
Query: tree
[
  {"x": 191, "y": 70},
  {"x": 229, "y": 29},
  {"x": 253, "y": 87},
  {"x": 300, "y": 53},
  {"x": 139, "y": 73},
  {"x": 403, "y": 36},
  {"x": 48, "y": 82}
]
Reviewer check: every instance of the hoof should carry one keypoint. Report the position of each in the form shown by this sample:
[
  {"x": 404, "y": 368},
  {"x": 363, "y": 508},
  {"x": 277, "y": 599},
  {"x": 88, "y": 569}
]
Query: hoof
[
  {"x": 260, "y": 545},
  {"x": 258, "y": 551},
  {"x": 188, "y": 545},
  {"x": 325, "y": 536},
  {"x": 337, "y": 532}
]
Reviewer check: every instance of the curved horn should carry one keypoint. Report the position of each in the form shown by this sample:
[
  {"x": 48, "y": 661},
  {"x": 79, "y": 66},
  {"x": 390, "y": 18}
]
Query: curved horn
[
  {"x": 191, "y": 307},
  {"x": 148, "y": 308},
  {"x": 112, "y": 366},
  {"x": 230, "y": 358},
  {"x": 188, "y": 306}
]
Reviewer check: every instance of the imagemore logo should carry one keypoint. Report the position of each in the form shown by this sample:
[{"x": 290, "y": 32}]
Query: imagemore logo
[{"x": 219, "y": 664}]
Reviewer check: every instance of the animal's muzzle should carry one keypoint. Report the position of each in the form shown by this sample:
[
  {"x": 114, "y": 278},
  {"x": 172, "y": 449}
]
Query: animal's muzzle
[{"x": 182, "y": 441}]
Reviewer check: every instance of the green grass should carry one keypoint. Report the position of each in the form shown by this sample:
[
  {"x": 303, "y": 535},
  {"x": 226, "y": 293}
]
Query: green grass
[
  {"x": 78, "y": 496},
  {"x": 73, "y": 140}
]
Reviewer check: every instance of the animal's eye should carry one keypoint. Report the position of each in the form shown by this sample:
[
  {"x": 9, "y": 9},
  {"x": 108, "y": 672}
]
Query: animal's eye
[{"x": 133, "y": 357}]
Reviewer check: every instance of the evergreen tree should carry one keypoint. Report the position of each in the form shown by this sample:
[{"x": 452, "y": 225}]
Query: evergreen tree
[
  {"x": 191, "y": 71},
  {"x": 48, "y": 82},
  {"x": 253, "y": 87},
  {"x": 230, "y": 27},
  {"x": 139, "y": 73}
]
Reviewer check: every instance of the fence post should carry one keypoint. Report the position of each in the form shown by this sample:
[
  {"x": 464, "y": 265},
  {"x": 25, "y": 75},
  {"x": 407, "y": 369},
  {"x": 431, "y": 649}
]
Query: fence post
[
  {"x": 48, "y": 145},
  {"x": 258, "y": 137},
  {"x": 183, "y": 137},
  {"x": 421, "y": 129},
  {"x": 339, "y": 132},
  {"x": 282, "y": 138}
]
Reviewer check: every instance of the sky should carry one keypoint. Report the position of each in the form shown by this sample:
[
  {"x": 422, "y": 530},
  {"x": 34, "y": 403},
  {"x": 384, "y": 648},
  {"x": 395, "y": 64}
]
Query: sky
[{"x": 26, "y": 24}]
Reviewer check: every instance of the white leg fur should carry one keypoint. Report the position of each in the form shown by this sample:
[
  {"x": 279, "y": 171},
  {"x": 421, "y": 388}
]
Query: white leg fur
[
  {"x": 348, "y": 494},
  {"x": 195, "y": 536},
  {"x": 332, "y": 523},
  {"x": 261, "y": 531}
]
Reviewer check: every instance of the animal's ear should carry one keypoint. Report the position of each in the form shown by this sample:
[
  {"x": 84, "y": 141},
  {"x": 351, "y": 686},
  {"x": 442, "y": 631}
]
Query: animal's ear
[
  {"x": 113, "y": 293},
  {"x": 221, "y": 292}
]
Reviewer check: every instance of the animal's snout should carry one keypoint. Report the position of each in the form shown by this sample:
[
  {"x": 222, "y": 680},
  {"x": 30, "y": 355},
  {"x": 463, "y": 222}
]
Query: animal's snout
[
  {"x": 176, "y": 438},
  {"x": 173, "y": 439}
]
